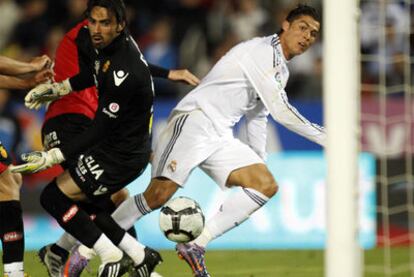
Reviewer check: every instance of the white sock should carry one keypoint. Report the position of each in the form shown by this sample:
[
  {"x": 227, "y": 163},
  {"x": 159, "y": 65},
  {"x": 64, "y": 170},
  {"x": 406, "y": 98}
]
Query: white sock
[
  {"x": 130, "y": 211},
  {"x": 86, "y": 252},
  {"x": 66, "y": 241},
  {"x": 106, "y": 250},
  {"x": 14, "y": 269},
  {"x": 235, "y": 210},
  {"x": 133, "y": 248}
]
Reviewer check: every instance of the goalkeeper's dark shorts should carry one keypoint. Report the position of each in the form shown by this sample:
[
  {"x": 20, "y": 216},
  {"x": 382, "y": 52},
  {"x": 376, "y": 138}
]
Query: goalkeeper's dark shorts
[
  {"x": 99, "y": 176},
  {"x": 60, "y": 130}
]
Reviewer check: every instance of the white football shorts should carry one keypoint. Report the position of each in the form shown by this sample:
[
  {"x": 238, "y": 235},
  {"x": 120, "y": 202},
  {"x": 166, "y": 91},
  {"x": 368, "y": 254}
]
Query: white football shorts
[{"x": 190, "y": 140}]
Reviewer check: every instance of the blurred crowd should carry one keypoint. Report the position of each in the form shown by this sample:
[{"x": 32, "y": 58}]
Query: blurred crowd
[
  {"x": 172, "y": 33},
  {"x": 194, "y": 34}
]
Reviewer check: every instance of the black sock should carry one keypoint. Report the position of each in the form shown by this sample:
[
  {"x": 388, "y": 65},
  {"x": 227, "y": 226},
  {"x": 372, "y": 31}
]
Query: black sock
[
  {"x": 12, "y": 232},
  {"x": 70, "y": 216},
  {"x": 133, "y": 232},
  {"x": 111, "y": 229},
  {"x": 109, "y": 206}
]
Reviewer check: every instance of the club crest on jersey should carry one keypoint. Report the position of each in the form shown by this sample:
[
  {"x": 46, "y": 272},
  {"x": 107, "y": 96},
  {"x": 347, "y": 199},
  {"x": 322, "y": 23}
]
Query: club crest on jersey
[
  {"x": 172, "y": 166},
  {"x": 119, "y": 77},
  {"x": 106, "y": 65},
  {"x": 3, "y": 152}
]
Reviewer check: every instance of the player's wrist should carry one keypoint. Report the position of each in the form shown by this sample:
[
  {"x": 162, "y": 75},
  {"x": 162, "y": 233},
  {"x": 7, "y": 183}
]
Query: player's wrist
[
  {"x": 63, "y": 87},
  {"x": 56, "y": 155}
]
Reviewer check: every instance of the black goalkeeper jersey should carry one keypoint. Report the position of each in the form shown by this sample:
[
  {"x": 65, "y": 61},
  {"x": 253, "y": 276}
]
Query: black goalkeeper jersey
[{"x": 120, "y": 132}]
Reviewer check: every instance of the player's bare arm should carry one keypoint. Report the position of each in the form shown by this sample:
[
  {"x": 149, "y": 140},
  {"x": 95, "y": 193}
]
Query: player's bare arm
[
  {"x": 9, "y": 66},
  {"x": 12, "y": 82}
]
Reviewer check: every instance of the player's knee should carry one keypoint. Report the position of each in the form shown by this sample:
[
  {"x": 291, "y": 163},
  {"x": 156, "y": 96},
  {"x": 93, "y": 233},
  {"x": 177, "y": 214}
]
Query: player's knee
[
  {"x": 157, "y": 199},
  {"x": 267, "y": 185},
  {"x": 119, "y": 197},
  {"x": 159, "y": 192},
  {"x": 49, "y": 195},
  {"x": 10, "y": 184}
]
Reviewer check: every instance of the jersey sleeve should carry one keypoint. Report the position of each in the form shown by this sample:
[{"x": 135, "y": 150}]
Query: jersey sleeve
[
  {"x": 275, "y": 99},
  {"x": 256, "y": 124},
  {"x": 84, "y": 79},
  {"x": 158, "y": 71}
]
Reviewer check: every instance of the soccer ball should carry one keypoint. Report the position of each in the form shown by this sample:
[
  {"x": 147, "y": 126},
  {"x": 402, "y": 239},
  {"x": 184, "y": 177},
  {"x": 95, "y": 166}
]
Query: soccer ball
[{"x": 181, "y": 219}]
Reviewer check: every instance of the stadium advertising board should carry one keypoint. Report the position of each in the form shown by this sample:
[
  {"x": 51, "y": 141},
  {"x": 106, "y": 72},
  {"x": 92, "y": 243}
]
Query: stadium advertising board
[{"x": 295, "y": 218}]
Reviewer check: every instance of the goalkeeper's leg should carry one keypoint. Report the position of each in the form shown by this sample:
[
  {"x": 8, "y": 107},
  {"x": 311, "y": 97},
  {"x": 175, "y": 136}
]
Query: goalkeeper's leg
[{"x": 76, "y": 221}]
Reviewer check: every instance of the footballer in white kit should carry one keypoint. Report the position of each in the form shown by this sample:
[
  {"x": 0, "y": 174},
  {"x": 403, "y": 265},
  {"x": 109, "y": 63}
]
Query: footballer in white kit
[{"x": 248, "y": 81}]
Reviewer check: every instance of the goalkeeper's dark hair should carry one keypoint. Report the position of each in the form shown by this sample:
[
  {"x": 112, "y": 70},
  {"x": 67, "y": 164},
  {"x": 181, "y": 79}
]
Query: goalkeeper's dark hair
[{"x": 117, "y": 7}]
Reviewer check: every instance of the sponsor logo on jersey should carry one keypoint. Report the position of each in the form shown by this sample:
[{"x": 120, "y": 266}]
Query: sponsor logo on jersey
[
  {"x": 114, "y": 107},
  {"x": 89, "y": 163},
  {"x": 70, "y": 213},
  {"x": 51, "y": 140},
  {"x": 119, "y": 77},
  {"x": 106, "y": 65},
  {"x": 12, "y": 236},
  {"x": 108, "y": 113},
  {"x": 94, "y": 167}
]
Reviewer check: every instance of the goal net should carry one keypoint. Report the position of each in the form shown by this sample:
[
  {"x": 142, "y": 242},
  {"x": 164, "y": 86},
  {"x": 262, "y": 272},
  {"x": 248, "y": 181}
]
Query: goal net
[{"x": 387, "y": 111}]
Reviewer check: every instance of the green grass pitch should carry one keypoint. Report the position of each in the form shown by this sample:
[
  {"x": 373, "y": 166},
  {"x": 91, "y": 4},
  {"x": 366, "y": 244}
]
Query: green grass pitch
[{"x": 253, "y": 263}]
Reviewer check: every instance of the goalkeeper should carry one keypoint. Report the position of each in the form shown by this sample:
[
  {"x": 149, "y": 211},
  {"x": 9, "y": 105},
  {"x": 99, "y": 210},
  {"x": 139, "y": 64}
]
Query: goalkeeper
[{"x": 69, "y": 116}]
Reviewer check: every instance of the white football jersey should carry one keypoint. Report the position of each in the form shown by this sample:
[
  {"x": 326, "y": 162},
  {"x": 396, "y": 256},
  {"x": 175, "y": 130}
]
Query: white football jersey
[{"x": 250, "y": 81}]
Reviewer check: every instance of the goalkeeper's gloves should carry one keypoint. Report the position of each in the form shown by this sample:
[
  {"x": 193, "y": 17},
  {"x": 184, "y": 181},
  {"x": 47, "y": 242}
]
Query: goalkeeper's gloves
[
  {"x": 38, "y": 161},
  {"x": 44, "y": 93}
]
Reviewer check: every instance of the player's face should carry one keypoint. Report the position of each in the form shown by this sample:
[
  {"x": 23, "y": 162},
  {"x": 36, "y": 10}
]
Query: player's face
[
  {"x": 103, "y": 27},
  {"x": 298, "y": 35}
]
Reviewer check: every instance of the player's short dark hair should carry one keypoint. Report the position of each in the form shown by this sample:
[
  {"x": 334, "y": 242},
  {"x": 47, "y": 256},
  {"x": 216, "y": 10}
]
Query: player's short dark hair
[
  {"x": 303, "y": 9},
  {"x": 117, "y": 7}
]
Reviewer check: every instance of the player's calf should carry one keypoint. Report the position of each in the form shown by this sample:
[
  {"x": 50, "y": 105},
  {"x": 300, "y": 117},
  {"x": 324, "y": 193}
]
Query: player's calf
[{"x": 12, "y": 237}]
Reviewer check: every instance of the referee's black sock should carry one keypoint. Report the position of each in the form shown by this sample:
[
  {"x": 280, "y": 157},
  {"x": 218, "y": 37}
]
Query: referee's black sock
[
  {"x": 69, "y": 215},
  {"x": 12, "y": 232}
]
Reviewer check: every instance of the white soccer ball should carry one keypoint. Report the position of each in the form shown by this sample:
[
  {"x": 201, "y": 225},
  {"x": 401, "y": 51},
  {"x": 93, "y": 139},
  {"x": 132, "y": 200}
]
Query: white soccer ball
[{"x": 181, "y": 219}]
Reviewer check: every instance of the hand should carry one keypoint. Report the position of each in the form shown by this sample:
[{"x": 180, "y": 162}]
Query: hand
[
  {"x": 42, "y": 62},
  {"x": 183, "y": 75},
  {"x": 45, "y": 93},
  {"x": 41, "y": 77},
  {"x": 38, "y": 161}
]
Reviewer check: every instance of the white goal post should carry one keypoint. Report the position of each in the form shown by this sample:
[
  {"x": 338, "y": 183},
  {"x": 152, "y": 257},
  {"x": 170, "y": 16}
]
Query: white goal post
[{"x": 341, "y": 113}]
